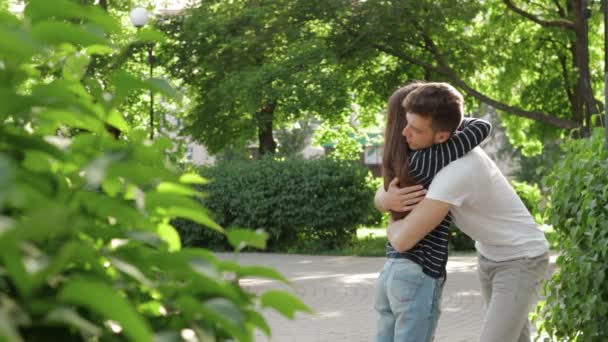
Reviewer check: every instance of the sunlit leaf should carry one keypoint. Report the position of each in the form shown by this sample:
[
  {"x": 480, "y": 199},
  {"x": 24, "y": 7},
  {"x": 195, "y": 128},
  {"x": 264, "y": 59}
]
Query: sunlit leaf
[
  {"x": 179, "y": 206},
  {"x": 7, "y": 178},
  {"x": 15, "y": 43},
  {"x": 13, "y": 264},
  {"x": 240, "y": 238},
  {"x": 174, "y": 188},
  {"x": 228, "y": 315},
  {"x": 148, "y": 34},
  {"x": 192, "y": 178},
  {"x": 163, "y": 86},
  {"x": 73, "y": 119},
  {"x": 112, "y": 186},
  {"x": 130, "y": 270},
  {"x": 81, "y": 251},
  {"x": 199, "y": 253},
  {"x": 71, "y": 317},
  {"x": 43, "y": 9},
  {"x": 13, "y": 103},
  {"x": 284, "y": 302},
  {"x": 124, "y": 83},
  {"x": 243, "y": 271},
  {"x": 99, "y": 50},
  {"x": 168, "y": 233},
  {"x": 205, "y": 267},
  {"x": 32, "y": 143},
  {"x": 8, "y": 330},
  {"x": 65, "y": 95},
  {"x": 153, "y": 308},
  {"x": 259, "y": 321},
  {"x": 52, "y": 220},
  {"x": 35, "y": 161},
  {"x": 108, "y": 303},
  {"x": 76, "y": 66},
  {"x": 53, "y": 32},
  {"x": 148, "y": 238},
  {"x": 102, "y": 207}
]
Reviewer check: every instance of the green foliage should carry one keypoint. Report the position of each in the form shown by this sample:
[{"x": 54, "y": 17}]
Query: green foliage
[
  {"x": 86, "y": 248},
  {"x": 341, "y": 138},
  {"x": 293, "y": 140},
  {"x": 387, "y": 43},
  {"x": 320, "y": 201},
  {"x": 251, "y": 64},
  {"x": 532, "y": 169},
  {"x": 532, "y": 198},
  {"x": 376, "y": 218},
  {"x": 576, "y": 307},
  {"x": 460, "y": 241}
]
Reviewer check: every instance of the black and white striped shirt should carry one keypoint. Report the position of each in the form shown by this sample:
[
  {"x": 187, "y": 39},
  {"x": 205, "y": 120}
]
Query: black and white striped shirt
[{"x": 431, "y": 253}]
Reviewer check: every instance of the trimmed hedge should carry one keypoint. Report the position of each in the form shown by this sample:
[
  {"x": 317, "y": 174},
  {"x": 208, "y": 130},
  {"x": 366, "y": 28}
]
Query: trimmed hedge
[
  {"x": 576, "y": 306},
  {"x": 323, "y": 200}
]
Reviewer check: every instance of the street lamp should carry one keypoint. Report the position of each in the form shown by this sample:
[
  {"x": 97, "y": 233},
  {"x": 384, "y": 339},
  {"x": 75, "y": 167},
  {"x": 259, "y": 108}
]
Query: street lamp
[{"x": 139, "y": 17}]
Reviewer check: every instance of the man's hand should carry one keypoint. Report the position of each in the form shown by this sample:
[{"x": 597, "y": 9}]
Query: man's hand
[{"x": 399, "y": 199}]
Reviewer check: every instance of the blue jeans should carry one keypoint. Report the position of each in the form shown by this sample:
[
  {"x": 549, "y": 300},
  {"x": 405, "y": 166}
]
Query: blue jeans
[{"x": 407, "y": 302}]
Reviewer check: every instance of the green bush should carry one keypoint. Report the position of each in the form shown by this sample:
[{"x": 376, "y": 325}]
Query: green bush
[
  {"x": 576, "y": 307},
  {"x": 86, "y": 248},
  {"x": 320, "y": 201},
  {"x": 460, "y": 241},
  {"x": 376, "y": 218},
  {"x": 532, "y": 198}
]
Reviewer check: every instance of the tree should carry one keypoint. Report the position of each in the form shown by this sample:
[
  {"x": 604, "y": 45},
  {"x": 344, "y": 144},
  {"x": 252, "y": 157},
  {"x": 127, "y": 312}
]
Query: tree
[
  {"x": 253, "y": 66},
  {"x": 569, "y": 40},
  {"x": 528, "y": 60}
]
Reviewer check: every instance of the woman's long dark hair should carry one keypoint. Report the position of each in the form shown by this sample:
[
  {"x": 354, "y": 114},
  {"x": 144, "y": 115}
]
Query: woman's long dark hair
[{"x": 395, "y": 158}]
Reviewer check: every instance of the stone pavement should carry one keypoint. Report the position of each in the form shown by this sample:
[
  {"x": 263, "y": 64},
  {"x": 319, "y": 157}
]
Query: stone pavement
[{"x": 341, "y": 291}]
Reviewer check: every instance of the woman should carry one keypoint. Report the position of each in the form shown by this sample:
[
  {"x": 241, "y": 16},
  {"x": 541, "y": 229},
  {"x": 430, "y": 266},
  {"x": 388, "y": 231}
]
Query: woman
[{"x": 409, "y": 288}]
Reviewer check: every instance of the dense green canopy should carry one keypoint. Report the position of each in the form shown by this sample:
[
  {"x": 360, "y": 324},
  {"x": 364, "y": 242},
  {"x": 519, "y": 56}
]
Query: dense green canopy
[{"x": 255, "y": 65}]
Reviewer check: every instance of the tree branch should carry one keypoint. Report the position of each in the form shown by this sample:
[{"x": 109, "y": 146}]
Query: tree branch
[
  {"x": 449, "y": 74},
  {"x": 566, "y": 76},
  {"x": 540, "y": 5},
  {"x": 560, "y": 9},
  {"x": 563, "y": 23}
]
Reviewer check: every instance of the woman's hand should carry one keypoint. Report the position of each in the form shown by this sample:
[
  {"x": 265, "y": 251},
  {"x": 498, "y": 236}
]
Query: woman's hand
[{"x": 399, "y": 199}]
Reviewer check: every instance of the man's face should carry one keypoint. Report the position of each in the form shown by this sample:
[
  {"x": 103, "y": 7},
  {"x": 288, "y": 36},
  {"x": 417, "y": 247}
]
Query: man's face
[{"x": 420, "y": 134}]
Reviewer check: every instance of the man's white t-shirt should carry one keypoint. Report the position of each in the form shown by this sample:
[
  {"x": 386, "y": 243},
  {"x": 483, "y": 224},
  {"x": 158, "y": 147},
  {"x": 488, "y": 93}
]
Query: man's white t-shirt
[{"x": 486, "y": 208}]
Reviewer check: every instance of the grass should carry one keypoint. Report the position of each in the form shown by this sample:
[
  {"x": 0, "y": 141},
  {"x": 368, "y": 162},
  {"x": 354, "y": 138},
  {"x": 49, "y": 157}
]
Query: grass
[{"x": 371, "y": 241}]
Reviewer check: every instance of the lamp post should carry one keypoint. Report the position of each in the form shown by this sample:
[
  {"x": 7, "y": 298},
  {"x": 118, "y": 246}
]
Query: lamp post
[{"x": 139, "y": 17}]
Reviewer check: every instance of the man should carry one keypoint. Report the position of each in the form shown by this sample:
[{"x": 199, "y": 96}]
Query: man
[
  {"x": 408, "y": 290},
  {"x": 512, "y": 250}
]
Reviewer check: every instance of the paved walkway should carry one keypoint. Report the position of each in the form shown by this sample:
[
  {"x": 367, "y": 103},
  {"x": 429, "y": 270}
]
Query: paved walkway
[{"x": 341, "y": 291}]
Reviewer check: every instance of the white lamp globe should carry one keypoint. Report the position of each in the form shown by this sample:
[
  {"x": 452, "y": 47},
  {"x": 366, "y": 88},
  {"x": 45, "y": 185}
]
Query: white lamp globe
[{"x": 139, "y": 17}]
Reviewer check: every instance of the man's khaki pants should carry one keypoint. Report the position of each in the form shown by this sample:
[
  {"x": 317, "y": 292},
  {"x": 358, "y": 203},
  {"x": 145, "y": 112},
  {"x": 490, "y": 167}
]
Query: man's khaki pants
[{"x": 510, "y": 290}]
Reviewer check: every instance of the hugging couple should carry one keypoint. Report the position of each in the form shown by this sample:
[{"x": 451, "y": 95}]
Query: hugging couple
[{"x": 436, "y": 175}]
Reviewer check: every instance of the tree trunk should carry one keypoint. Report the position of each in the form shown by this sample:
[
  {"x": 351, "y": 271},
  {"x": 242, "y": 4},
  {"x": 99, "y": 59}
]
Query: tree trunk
[
  {"x": 577, "y": 103},
  {"x": 265, "y": 117},
  {"x": 581, "y": 62},
  {"x": 605, "y": 10}
]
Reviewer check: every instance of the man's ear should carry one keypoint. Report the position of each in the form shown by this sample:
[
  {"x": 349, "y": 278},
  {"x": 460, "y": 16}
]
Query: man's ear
[{"x": 442, "y": 136}]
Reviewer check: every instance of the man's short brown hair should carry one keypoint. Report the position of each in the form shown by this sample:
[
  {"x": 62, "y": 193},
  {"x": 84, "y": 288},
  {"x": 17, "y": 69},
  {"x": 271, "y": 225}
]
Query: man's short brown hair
[{"x": 439, "y": 101}]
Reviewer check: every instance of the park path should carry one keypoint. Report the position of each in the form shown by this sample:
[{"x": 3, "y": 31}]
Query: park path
[{"x": 341, "y": 291}]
